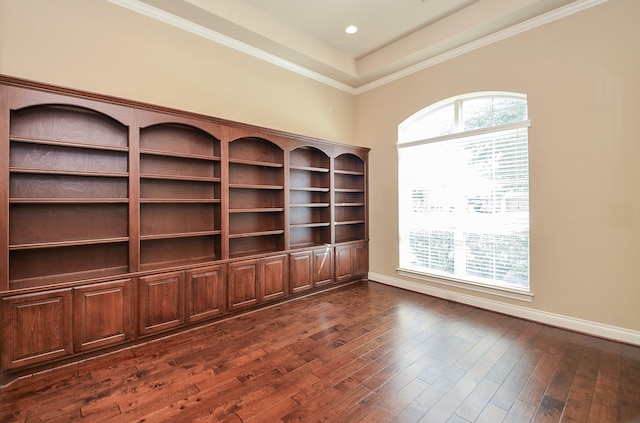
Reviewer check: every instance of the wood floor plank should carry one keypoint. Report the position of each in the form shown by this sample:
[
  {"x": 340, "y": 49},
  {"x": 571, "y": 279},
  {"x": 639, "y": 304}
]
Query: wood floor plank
[
  {"x": 561, "y": 382},
  {"x": 341, "y": 404},
  {"x": 475, "y": 353},
  {"x": 371, "y": 403},
  {"x": 477, "y": 400},
  {"x": 628, "y": 393},
  {"x": 503, "y": 367},
  {"x": 434, "y": 392},
  {"x": 137, "y": 406},
  {"x": 580, "y": 396},
  {"x": 491, "y": 414},
  {"x": 605, "y": 392},
  {"x": 536, "y": 386},
  {"x": 313, "y": 406},
  {"x": 457, "y": 393},
  {"x": 275, "y": 413},
  {"x": 361, "y": 353},
  {"x": 510, "y": 388},
  {"x": 284, "y": 388},
  {"x": 520, "y": 412},
  {"x": 550, "y": 410},
  {"x": 394, "y": 405},
  {"x": 283, "y": 385}
]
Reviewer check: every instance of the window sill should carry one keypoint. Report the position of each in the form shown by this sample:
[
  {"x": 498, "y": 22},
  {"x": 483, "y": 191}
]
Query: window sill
[{"x": 513, "y": 294}]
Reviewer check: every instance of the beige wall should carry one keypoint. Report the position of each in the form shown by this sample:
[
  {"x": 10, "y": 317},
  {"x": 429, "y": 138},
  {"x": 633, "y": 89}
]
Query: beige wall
[
  {"x": 582, "y": 78},
  {"x": 104, "y": 48}
]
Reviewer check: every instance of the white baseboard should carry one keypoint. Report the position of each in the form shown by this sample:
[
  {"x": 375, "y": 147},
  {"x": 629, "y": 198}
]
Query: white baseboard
[{"x": 566, "y": 322}]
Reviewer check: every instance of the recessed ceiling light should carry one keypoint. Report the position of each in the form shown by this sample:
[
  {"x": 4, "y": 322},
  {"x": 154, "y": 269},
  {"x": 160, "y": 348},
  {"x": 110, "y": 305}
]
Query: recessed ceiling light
[{"x": 351, "y": 29}]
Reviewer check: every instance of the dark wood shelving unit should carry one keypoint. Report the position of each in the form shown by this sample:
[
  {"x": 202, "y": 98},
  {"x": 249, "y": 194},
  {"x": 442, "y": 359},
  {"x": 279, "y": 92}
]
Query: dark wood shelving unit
[
  {"x": 350, "y": 198},
  {"x": 125, "y": 221},
  {"x": 256, "y": 197},
  {"x": 309, "y": 197},
  {"x": 180, "y": 196},
  {"x": 68, "y": 199}
]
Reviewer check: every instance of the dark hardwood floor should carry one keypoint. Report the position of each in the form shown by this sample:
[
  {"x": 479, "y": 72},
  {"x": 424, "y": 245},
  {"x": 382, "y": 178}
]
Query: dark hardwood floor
[{"x": 362, "y": 353}]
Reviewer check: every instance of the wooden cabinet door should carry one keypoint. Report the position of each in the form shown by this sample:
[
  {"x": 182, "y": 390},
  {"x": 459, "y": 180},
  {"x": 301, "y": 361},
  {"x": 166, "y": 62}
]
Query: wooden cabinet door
[
  {"x": 301, "y": 275},
  {"x": 273, "y": 277},
  {"x": 360, "y": 259},
  {"x": 161, "y": 302},
  {"x": 101, "y": 314},
  {"x": 243, "y": 283},
  {"x": 352, "y": 261},
  {"x": 323, "y": 266},
  {"x": 344, "y": 263},
  {"x": 37, "y": 328},
  {"x": 205, "y": 293}
]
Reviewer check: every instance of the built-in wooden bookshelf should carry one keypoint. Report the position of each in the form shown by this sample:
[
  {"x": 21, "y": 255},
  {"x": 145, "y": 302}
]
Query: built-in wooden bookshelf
[
  {"x": 125, "y": 220},
  {"x": 180, "y": 202},
  {"x": 68, "y": 197},
  {"x": 350, "y": 198},
  {"x": 309, "y": 197},
  {"x": 256, "y": 197}
]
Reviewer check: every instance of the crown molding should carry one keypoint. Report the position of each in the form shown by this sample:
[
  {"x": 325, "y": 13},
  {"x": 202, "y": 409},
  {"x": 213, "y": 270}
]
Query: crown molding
[
  {"x": 186, "y": 25},
  {"x": 532, "y": 23}
]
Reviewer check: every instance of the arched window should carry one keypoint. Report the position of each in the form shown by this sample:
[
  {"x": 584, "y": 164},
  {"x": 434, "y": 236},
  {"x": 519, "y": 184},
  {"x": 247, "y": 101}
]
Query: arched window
[{"x": 463, "y": 190}]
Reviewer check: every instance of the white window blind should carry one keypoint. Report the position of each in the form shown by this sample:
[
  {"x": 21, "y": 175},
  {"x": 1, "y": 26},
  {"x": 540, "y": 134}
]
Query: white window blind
[{"x": 464, "y": 201}]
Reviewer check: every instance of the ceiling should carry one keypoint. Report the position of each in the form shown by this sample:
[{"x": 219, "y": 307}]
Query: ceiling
[{"x": 395, "y": 36}]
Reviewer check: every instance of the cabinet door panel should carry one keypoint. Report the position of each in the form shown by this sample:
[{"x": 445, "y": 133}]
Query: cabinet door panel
[
  {"x": 273, "y": 277},
  {"x": 37, "y": 328},
  {"x": 360, "y": 260},
  {"x": 344, "y": 263},
  {"x": 161, "y": 302},
  {"x": 102, "y": 314},
  {"x": 323, "y": 266},
  {"x": 205, "y": 293},
  {"x": 301, "y": 271},
  {"x": 243, "y": 283}
]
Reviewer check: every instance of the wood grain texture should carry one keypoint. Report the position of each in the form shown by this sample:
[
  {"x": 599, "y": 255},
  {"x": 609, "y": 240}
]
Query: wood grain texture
[{"x": 360, "y": 353}]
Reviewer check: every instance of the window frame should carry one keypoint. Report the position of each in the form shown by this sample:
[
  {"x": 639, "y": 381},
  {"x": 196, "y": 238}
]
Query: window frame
[{"x": 406, "y": 141}]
